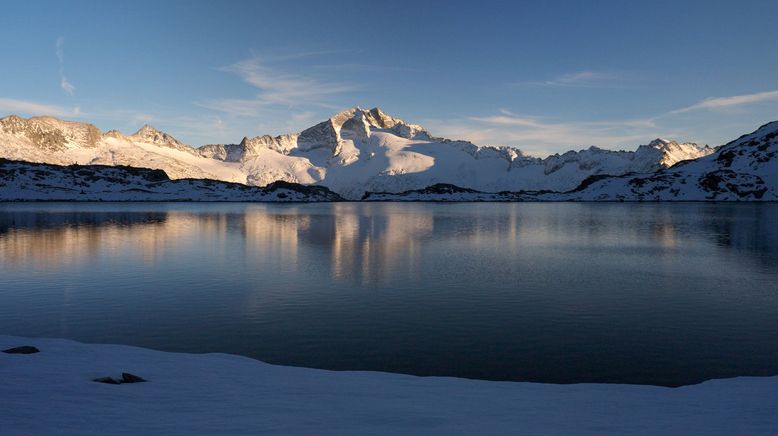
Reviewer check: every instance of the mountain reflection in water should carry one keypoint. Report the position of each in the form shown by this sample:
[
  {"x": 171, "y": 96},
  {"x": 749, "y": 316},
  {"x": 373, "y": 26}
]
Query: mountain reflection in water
[{"x": 570, "y": 292}]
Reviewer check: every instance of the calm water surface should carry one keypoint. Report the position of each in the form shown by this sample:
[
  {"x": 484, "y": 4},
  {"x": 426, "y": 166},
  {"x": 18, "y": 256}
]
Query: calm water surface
[{"x": 642, "y": 293}]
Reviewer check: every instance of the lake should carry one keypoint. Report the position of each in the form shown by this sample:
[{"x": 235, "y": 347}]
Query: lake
[{"x": 666, "y": 294}]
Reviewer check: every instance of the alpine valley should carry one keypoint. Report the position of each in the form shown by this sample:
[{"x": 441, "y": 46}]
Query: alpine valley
[{"x": 367, "y": 155}]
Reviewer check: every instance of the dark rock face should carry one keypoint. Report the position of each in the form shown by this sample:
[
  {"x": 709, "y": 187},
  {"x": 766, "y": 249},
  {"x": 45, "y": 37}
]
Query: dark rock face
[
  {"x": 24, "y": 349},
  {"x": 322, "y": 135},
  {"x": 446, "y": 188},
  {"x": 311, "y": 190},
  {"x": 590, "y": 180},
  {"x": 438, "y": 188},
  {"x": 747, "y": 186}
]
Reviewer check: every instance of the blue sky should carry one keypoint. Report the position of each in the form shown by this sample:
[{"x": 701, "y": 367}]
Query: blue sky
[{"x": 542, "y": 76}]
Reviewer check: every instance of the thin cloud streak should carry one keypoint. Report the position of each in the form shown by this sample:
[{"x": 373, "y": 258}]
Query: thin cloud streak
[
  {"x": 276, "y": 89},
  {"x": 301, "y": 55},
  {"x": 165, "y": 119},
  {"x": 357, "y": 67},
  {"x": 191, "y": 126},
  {"x": 235, "y": 106},
  {"x": 539, "y": 137},
  {"x": 580, "y": 79},
  {"x": 9, "y": 105},
  {"x": 63, "y": 81},
  {"x": 727, "y": 102}
]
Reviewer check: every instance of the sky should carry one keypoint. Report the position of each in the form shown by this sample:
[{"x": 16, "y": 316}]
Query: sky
[{"x": 545, "y": 77}]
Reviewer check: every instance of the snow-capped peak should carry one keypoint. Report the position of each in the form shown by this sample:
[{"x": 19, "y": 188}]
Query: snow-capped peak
[
  {"x": 669, "y": 144},
  {"x": 659, "y": 142},
  {"x": 51, "y": 133},
  {"x": 667, "y": 153},
  {"x": 151, "y": 135},
  {"x": 356, "y": 119}
]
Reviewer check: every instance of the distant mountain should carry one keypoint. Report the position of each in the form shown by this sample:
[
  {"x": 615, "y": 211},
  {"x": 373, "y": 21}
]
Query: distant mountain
[
  {"x": 745, "y": 169},
  {"x": 25, "y": 181},
  {"x": 49, "y": 140},
  {"x": 351, "y": 153}
]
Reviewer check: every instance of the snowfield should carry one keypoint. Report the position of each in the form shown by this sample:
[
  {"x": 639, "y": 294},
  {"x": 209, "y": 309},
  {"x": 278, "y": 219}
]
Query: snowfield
[{"x": 53, "y": 392}]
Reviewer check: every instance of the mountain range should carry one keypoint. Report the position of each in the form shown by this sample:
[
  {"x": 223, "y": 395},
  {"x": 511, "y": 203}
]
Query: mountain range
[{"x": 368, "y": 154}]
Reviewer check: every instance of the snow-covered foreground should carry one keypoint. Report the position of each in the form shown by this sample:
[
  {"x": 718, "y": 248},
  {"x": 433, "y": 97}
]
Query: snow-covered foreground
[{"x": 52, "y": 392}]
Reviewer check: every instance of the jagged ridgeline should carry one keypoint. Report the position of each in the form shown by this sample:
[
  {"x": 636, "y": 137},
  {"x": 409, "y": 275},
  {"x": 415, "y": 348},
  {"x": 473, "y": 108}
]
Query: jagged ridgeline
[{"x": 358, "y": 153}]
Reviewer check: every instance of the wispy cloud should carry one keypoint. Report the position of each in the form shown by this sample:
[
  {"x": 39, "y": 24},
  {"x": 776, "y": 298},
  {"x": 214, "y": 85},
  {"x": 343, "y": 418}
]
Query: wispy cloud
[
  {"x": 236, "y": 106},
  {"x": 63, "y": 81},
  {"x": 359, "y": 67},
  {"x": 539, "y": 136},
  {"x": 9, "y": 105},
  {"x": 580, "y": 79},
  {"x": 196, "y": 129},
  {"x": 193, "y": 129},
  {"x": 277, "y": 88},
  {"x": 542, "y": 136},
  {"x": 296, "y": 55},
  {"x": 729, "y": 102},
  {"x": 303, "y": 117}
]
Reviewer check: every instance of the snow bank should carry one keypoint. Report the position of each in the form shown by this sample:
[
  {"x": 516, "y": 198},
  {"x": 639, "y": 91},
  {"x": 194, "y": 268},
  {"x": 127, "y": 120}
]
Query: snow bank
[{"x": 53, "y": 392}]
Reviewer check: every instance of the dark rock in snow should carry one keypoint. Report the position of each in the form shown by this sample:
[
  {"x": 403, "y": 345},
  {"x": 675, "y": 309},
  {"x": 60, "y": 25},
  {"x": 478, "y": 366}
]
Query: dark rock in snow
[
  {"x": 131, "y": 378},
  {"x": 25, "y": 349},
  {"x": 107, "y": 380},
  {"x": 126, "y": 378}
]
